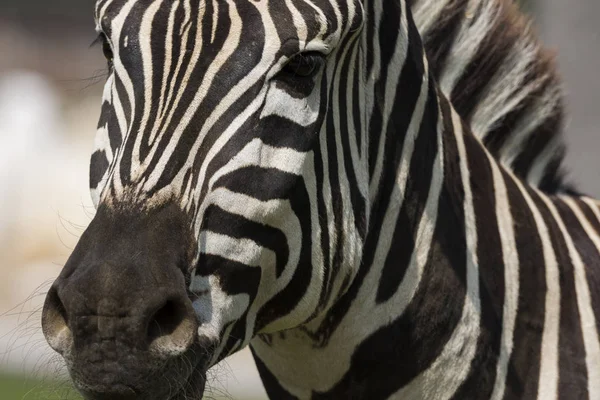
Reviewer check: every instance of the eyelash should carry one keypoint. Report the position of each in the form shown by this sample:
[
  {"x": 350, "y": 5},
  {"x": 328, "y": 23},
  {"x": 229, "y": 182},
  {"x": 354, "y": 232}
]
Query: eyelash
[
  {"x": 106, "y": 48},
  {"x": 304, "y": 65}
]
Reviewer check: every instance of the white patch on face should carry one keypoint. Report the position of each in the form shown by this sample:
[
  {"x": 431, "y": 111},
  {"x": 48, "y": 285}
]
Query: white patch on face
[
  {"x": 303, "y": 112},
  {"x": 101, "y": 142},
  {"x": 215, "y": 308},
  {"x": 95, "y": 195}
]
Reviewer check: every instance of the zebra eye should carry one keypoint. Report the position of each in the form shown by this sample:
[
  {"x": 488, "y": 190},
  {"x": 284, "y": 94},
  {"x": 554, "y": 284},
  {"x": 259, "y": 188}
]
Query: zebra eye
[
  {"x": 106, "y": 48},
  {"x": 305, "y": 65}
]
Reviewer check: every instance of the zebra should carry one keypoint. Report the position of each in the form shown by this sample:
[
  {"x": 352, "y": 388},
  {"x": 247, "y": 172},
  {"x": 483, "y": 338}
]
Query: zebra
[{"x": 287, "y": 179}]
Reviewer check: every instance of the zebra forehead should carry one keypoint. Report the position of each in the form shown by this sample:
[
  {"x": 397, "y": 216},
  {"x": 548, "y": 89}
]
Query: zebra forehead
[{"x": 309, "y": 20}]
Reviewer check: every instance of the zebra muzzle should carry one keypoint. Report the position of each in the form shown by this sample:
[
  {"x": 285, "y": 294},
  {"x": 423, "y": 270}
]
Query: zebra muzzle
[{"x": 120, "y": 313}]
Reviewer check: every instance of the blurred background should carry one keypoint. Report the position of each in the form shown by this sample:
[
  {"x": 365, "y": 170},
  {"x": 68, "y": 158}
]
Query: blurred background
[{"x": 50, "y": 87}]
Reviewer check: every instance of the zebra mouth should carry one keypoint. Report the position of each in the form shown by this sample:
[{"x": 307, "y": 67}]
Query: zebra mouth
[
  {"x": 179, "y": 379},
  {"x": 190, "y": 388},
  {"x": 117, "y": 391}
]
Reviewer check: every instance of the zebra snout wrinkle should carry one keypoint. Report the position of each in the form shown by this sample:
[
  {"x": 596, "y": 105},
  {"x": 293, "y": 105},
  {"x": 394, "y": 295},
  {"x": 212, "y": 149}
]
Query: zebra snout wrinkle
[{"x": 165, "y": 323}]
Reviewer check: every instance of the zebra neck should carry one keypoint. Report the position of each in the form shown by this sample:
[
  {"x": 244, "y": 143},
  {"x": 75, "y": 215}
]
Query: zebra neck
[
  {"x": 408, "y": 325},
  {"x": 409, "y": 321}
]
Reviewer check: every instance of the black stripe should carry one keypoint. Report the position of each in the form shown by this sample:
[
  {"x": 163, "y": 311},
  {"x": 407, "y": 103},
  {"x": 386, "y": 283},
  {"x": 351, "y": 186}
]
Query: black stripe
[
  {"x": 234, "y": 277},
  {"x": 98, "y": 166},
  {"x": 261, "y": 183},
  {"x": 284, "y": 24},
  {"x": 524, "y": 364},
  {"x": 482, "y": 374},
  {"x": 416, "y": 192},
  {"x": 357, "y": 94},
  {"x": 121, "y": 94},
  {"x": 388, "y": 33},
  {"x": 108, "y": 120},
  {"x": 311, "y": 18},
  {"x": 283, "y": 302},
  {"x": 220, "y": 221},
  {"x": 131, "y": 58}
]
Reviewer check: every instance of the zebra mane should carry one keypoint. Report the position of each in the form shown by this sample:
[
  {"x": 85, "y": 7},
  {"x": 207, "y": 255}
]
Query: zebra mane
[{"x": 490, "y": 64}]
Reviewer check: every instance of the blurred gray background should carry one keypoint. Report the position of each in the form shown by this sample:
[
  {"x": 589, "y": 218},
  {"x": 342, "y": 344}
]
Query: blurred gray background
[
  {"x": 572, "y": 29},
  {"x": 50, "y": 84}
]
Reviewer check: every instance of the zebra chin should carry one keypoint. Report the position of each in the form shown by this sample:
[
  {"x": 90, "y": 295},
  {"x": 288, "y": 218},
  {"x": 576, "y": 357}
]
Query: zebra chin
[
  {"x": 120, "y": 312},
  {"x": 160, "y": 385}
]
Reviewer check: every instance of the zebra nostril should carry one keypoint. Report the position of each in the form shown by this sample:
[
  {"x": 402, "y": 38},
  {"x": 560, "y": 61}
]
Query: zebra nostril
[
  {"x": 55, "y": 322},
  {"x": 172, "y": 329}
]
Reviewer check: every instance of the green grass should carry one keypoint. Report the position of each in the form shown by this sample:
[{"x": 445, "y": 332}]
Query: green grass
[{"x": 14, "y": 387}]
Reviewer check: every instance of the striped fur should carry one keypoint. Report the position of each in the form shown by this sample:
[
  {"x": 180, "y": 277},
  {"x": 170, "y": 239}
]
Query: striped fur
[{"x": 349, "y": 225}]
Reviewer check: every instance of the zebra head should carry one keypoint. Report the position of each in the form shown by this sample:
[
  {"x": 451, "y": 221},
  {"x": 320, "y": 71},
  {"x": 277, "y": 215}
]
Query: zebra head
[{"x": 229, "y": 185}]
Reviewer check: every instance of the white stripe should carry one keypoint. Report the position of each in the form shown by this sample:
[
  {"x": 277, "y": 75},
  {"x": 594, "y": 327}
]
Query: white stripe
[
  {"x": 302, "y": 111},
  {"x": 168, "y": 49},
  {"x": 119, "y": 70},
  {"x": 511, "y": 278},
  {"x": 215, "y": 21},
  {"x": 244, "y": 251},
  {"x": 145, "y": 46}
]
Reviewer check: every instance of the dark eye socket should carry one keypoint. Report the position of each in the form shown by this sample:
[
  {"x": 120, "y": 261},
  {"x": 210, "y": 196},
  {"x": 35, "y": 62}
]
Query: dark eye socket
[
  {"x": 106, "y": 48},
  {"x": 305, "y": 65}
]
